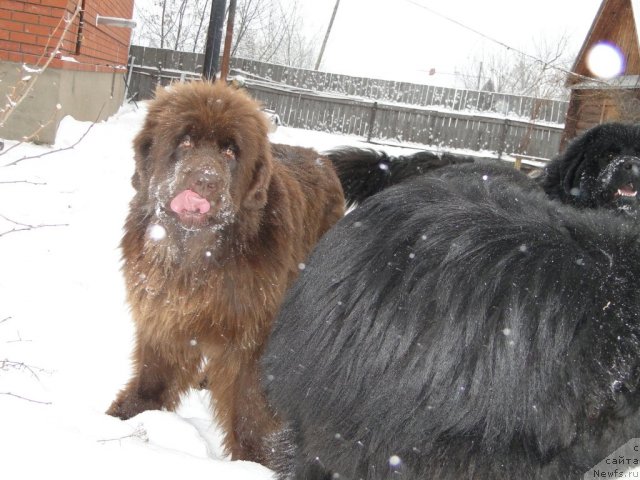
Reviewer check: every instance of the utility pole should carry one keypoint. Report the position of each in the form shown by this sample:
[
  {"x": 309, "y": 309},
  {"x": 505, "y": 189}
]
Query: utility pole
[
  {"x": 214, "y": 38},
  {"x": 326, "y": 36},
  {"x": 228, "y": 40}
]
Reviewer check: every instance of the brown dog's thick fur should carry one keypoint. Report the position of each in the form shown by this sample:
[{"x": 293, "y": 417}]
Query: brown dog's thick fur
[{"x": 205, "y": 277}]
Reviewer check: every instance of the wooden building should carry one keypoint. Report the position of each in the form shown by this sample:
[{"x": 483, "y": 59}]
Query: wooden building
[{"x": 596, "y": 100}]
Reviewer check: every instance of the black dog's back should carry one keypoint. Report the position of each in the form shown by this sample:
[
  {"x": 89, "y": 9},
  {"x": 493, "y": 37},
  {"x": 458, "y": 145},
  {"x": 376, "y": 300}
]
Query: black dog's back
[
  {"x": 365, "y": 172},
  {"x": 459, "y": 328}
]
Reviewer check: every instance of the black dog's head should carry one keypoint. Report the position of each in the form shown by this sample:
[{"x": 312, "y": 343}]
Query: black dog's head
[{"x": 600, "y": 168}]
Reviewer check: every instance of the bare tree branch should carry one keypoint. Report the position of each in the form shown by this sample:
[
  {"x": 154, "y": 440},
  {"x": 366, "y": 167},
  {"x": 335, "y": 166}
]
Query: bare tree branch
[
  {"x": 21, "y": 227},
  {"x": 22, "y": 181},
  {"x": 139, "y": 432},
  {"x": 25, "y": 398},
  {"x": 8, "y": 364},
  {"x": 263, "y": 30},
  {"x": 181, "y": 19},
  {"x": 202, "y": 15},
  {"x": 541, "y": 74},
  {"x": 51, "y": 152}
]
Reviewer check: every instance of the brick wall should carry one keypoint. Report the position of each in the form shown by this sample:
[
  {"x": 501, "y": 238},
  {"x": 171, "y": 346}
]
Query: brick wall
[{"x": 33, "y": 27}]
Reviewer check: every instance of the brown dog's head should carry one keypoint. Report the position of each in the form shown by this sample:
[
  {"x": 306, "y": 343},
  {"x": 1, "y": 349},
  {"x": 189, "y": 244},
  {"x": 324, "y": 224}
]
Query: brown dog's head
[{"x": 203, "y": 161}]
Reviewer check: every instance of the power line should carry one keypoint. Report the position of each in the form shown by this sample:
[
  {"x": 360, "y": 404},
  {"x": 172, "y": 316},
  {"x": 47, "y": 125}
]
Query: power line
[{"x": 505, "y": 45}]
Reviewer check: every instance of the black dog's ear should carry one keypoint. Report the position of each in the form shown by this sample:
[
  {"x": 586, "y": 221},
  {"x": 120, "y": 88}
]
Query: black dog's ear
[{"x": 574, "y": 159}]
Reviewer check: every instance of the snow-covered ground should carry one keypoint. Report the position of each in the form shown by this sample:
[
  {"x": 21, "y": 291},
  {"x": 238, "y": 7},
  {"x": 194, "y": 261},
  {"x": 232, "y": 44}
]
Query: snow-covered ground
[{"x": 65, "y": 330}]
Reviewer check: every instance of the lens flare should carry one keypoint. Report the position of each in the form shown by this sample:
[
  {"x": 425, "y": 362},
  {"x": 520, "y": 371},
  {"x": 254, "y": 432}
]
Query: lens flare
[{"x": 605, "y": 60}]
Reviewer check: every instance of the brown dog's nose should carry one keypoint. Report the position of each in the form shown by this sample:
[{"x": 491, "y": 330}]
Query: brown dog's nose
[{"x": 205, "y": 182}]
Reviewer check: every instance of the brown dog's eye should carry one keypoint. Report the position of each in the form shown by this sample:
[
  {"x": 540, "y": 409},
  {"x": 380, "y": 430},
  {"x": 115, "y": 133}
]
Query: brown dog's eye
[
  {"x": 186, "y": 142},
  {"x": 229, "y": 151}
]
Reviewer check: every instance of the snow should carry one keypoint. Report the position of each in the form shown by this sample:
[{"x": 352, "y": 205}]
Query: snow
[{"x": 65, "y": 330}]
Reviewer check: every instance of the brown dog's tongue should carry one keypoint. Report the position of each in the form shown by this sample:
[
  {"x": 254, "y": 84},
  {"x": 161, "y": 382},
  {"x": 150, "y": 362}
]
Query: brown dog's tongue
[{"x": 189, "y": 201}]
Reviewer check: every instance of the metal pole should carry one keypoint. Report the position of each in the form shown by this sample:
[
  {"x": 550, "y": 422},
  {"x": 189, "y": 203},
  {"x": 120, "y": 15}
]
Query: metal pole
[
  {"x": 326, "y": 35},
  {"x": 228, "y": 40},
  {"x": 214, "y": 38},
  {"x": 129, "y": 73}
]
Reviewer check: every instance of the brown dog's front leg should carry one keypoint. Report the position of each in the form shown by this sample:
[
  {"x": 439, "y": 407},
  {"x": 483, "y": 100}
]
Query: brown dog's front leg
[
  {"x": 241, "y": 406},
  {"x": 161, "y": 375}
]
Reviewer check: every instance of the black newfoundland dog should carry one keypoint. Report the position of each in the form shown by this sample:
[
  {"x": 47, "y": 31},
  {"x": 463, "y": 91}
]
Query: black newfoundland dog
[
  {"x": 364, "y": 171},
  {"x": 459, "y": 327},
  {"x": 600, "y": 168}
]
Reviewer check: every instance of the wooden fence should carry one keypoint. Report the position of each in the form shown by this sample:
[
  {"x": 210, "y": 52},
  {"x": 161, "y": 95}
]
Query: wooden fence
[{"x": 377, "y": 110}]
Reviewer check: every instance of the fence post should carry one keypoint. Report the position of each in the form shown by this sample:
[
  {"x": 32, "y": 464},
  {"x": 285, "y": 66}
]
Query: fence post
[
  {"x": 372, "y": 119},
  {"x": 129, "y": 73},
  {"x": 503, "y": 139},
  {"x": 159, "y": 76}
]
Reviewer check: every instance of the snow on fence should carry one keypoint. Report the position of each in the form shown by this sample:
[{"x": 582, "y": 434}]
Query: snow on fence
[
  {"x": 551, "y": 111},
  {"x": 377, "y": 110}
]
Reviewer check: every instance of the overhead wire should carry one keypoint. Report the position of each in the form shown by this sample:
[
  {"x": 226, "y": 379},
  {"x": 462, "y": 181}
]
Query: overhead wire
[{"x": 545, "y": 63}]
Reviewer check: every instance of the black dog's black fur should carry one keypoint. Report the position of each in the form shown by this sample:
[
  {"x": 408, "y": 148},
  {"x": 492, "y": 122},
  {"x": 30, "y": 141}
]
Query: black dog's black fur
[
  {"x": 600, "y": 168},
  {"x": 459, "y": 327},
  {"x": 364, "y": 172}
]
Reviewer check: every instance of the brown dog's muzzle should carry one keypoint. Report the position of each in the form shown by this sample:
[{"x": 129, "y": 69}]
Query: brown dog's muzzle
[{"x": 201, "y": 193}]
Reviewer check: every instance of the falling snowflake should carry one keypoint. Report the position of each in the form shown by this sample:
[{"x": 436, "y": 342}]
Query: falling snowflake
[{"x": 157, "y": 232}]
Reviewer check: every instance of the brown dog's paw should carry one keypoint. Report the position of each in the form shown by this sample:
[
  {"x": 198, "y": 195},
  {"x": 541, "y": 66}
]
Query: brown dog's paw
[{"x": 130, "y": 406}]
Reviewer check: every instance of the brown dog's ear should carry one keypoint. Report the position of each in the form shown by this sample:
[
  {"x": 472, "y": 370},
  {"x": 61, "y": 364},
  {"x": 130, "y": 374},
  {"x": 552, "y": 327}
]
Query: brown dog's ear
[
  {"x": 256, "y": 197},
  {"x": 135, "y": 181},
  {"x": 141, "y": 147}
]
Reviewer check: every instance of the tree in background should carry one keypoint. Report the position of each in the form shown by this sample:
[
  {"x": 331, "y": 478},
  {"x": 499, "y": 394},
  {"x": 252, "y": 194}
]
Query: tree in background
[
  {"x": 264, "y": 30},
  {"x": 268, "y": 31},
  {"x": 540, "y": 74},
  {"x": 174, "y": 24}
]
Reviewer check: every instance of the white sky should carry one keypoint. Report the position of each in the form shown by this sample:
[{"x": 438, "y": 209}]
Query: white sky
[{"x": 399, "y": 38}]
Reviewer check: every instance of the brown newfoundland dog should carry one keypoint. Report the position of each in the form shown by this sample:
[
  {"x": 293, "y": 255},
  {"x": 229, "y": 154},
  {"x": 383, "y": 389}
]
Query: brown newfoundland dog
[{"x": 219, "y": 227}]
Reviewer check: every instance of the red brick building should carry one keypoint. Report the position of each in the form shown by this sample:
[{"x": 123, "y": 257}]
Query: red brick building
[{"x": 86, "y": 76}]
